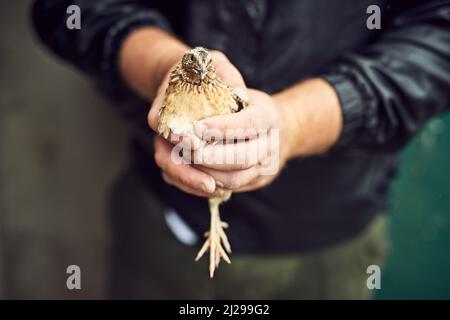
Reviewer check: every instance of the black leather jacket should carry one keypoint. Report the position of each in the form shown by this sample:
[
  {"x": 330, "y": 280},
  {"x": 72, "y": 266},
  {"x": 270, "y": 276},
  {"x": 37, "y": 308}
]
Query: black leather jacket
[{"x": 389, "y": 83}]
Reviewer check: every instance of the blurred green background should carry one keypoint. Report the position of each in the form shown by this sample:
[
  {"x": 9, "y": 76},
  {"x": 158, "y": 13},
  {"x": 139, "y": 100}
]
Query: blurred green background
[{"x": 419, "y": 264}]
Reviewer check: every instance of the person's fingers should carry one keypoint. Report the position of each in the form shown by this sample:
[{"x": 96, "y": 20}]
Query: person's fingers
[
  {"x": 187, "y": 142},
  {"x": 174, "y": 166},
  {"x": 253, "y": 185},
  {"x": 233, "y": 180},
  {"x": 177, "y": 184},
  {"x": 261, "y": 181},
  {"x": 229, "y": 74},
  {"x": 233, "y": 156},
  {"x": 224, "y": 69},
  {"x": 173, "y": 182},
  {"x": 153, "y": 115},
  {"x": 246, "y": 124}
]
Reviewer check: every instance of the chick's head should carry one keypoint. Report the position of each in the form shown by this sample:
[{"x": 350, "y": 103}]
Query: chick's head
[{"x": 197, "y": 66}]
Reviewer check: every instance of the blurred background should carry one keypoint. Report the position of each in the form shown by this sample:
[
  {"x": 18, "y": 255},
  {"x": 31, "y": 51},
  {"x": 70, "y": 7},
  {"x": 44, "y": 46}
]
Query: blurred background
[{"x": 61, "y": 147}]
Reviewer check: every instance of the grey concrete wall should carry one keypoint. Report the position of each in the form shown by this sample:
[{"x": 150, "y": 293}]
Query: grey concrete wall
[{"x": 60, "y": 149}]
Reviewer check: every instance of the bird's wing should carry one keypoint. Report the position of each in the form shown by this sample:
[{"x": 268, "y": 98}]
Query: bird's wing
[
  {"x": 241, "y": 103},
  {"x": 163, "y": 112}
]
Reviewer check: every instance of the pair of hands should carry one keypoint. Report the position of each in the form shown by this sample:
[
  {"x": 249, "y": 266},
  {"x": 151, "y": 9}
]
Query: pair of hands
[
  {"x": 258, "y": 158},
  {"x": 308, "y": 117}
]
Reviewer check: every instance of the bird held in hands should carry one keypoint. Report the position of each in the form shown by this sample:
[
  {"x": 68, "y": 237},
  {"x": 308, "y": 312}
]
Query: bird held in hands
[{"x": 195, "y": 92}]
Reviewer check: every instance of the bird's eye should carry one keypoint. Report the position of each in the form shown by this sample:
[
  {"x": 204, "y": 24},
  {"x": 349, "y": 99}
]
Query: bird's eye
[{"x": 191, "y": 57}]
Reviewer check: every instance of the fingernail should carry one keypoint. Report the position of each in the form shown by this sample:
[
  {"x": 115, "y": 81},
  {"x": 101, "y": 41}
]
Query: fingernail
[
  {"x": 210, "y": 186},
  {"x": 200, "y": 129}
]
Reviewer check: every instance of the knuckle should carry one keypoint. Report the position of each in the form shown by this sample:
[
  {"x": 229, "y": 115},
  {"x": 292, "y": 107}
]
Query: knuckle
[{"x": 186, "y": 180}]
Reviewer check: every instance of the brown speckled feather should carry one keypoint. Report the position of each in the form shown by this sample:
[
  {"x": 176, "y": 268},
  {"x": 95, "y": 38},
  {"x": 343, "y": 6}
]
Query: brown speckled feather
[{"x": 187, "y": 102}]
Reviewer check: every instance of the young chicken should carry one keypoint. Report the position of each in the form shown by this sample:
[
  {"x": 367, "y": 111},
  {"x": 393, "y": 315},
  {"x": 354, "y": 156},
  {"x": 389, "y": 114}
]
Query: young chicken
[{"x": 194, "y": 93}]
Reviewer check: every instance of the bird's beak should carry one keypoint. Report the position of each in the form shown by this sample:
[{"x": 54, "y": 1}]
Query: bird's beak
[{"x": 203, "y": 73}]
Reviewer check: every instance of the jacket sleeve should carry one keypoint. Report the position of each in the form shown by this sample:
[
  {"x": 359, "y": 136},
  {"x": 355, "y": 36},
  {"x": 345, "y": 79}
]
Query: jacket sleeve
[
  {"x": 95, "y": 46},
  {"x": 390, "y": 88}
]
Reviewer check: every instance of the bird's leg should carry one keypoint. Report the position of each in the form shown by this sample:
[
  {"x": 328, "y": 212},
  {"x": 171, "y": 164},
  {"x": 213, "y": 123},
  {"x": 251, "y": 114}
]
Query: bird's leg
[{"x": 216, "y": 239}]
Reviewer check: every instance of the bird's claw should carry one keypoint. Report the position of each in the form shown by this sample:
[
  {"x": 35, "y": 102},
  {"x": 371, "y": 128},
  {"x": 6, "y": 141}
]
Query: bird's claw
[{"x": 217, "y": 243}]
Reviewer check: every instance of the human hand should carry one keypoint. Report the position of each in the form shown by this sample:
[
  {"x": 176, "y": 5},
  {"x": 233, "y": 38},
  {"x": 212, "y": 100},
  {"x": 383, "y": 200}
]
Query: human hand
[
  {"x": 225, "y": 70},
  {"x": 182, "y": 175},
  {"x": 257, "y": 148},
  {"x": 309, "y": 121}
]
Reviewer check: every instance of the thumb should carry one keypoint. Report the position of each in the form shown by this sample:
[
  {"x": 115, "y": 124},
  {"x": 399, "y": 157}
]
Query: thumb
[
  {"x": 229, "y": 74},
  {"x": 153, "y": 115}
]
